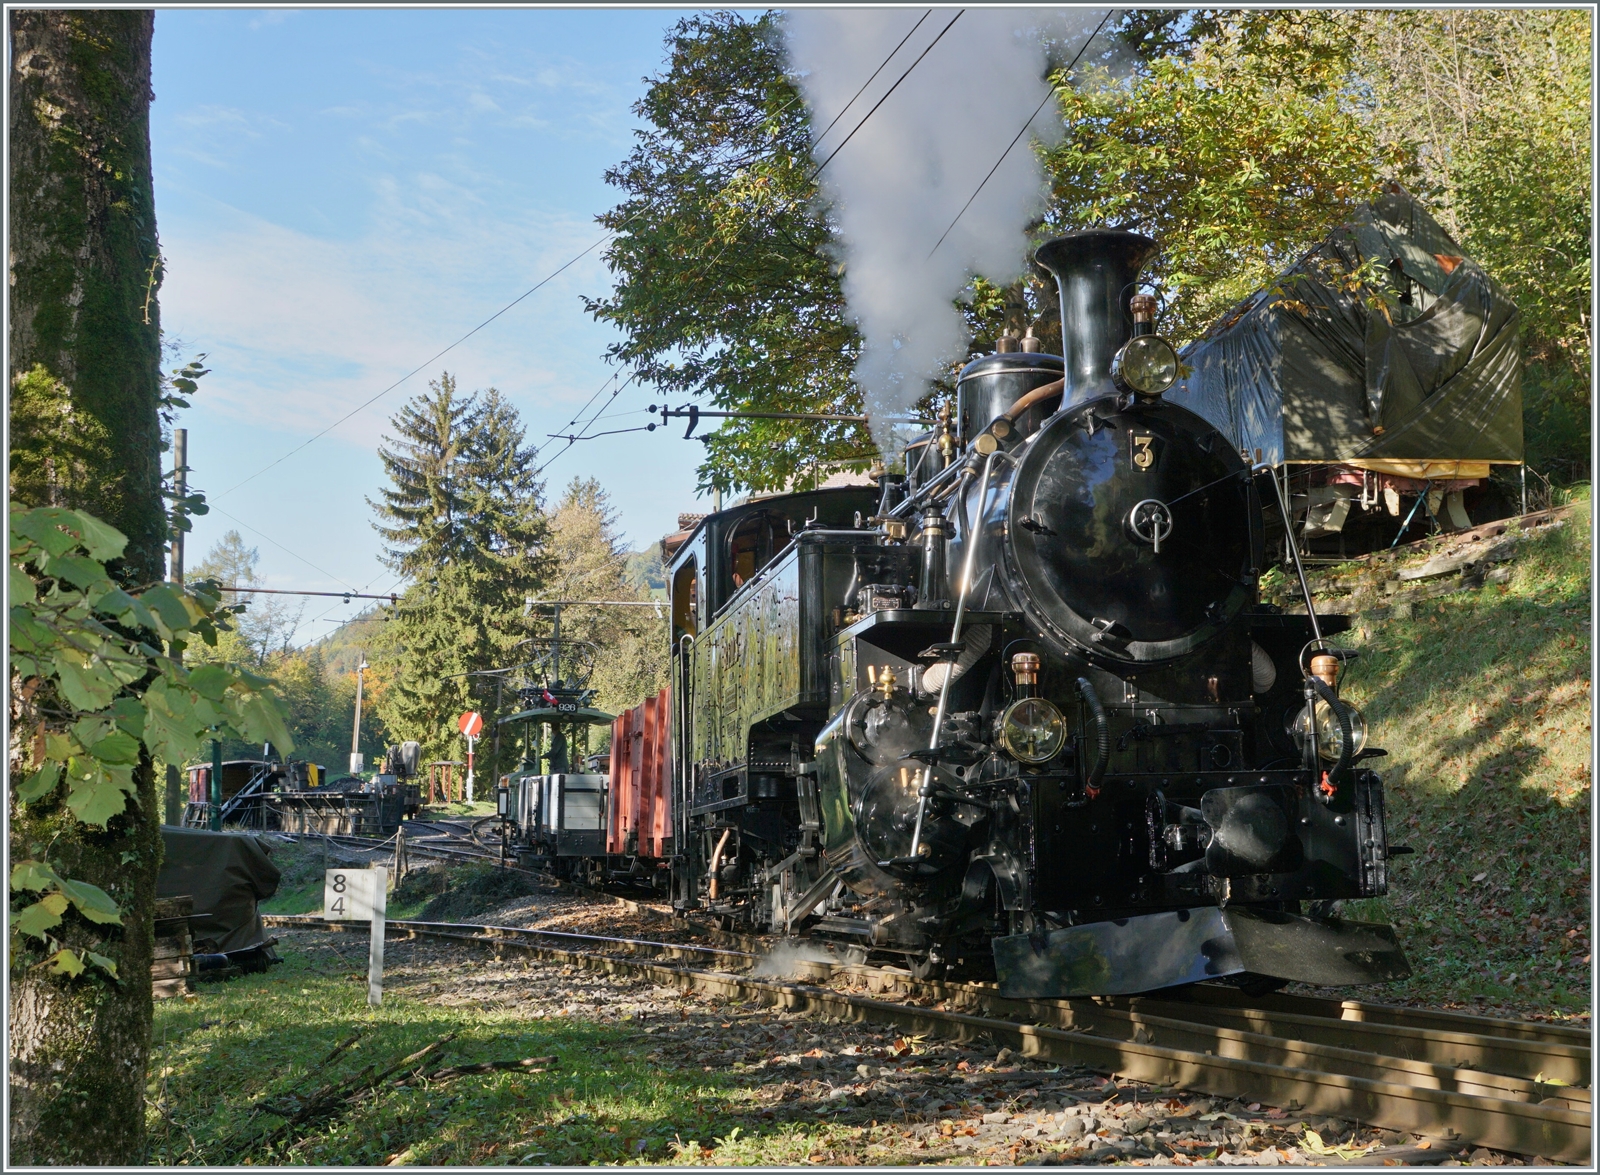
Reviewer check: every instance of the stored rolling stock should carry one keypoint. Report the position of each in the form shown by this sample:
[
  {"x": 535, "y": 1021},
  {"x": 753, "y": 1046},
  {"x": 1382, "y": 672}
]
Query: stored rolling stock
[{"x": 1018, "y": 709}]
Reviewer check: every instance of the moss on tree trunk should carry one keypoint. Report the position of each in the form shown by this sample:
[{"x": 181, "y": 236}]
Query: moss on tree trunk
[
  {"x": 85, "y": 356},
  {"x": 85, "y": 263}
]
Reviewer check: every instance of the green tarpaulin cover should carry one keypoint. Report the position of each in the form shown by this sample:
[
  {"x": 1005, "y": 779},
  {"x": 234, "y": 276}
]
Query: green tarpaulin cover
[
  {"x": 1317, "y": 368},
  {"x": 226, "y": 873}
]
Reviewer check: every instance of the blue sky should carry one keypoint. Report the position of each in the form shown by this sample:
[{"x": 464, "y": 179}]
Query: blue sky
[{"x": 341, "y": 194}]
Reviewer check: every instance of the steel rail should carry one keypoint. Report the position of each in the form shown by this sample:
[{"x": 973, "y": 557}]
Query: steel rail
[
  {"x": 1460, "y": 1106},
  {"x": 1328, "y": 1007},
  {"x": 1318, "y": 1007}
]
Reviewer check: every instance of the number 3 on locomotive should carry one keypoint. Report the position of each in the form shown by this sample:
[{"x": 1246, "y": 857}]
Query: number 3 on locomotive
[{"x": 1140, "y": 450}]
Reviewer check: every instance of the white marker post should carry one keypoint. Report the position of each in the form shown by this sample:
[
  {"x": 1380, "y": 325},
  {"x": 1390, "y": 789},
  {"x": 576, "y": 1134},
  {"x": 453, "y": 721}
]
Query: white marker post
[{"x": 361, "y": 895}]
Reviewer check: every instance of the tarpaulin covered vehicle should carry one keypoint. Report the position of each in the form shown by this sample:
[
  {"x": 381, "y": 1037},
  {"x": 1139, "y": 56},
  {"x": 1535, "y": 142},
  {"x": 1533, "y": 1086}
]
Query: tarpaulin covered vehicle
[
  {"x": 1384, "y": 366},
  {"x": 227, "y": 874}
]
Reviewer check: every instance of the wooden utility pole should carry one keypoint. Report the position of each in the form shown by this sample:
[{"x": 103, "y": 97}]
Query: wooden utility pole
[
  {"x": 357, "y": 764},
  {"x": 180, "y": 486}
]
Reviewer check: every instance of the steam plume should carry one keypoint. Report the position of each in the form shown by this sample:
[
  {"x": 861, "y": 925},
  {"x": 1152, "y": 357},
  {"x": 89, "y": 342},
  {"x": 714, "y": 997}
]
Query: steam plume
[{"x": 907, "y": 172}]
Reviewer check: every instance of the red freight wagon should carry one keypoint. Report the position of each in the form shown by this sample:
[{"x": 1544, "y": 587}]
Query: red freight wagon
[{"x": 639, "y": 822}]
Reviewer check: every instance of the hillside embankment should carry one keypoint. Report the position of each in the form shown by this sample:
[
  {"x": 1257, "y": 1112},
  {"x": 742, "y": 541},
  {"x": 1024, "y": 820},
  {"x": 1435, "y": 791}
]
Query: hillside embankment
[{"x": 1474, "y": 675}]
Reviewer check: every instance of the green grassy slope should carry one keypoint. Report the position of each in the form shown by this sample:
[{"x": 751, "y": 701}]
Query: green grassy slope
[{"x": 1482, "y": 700}]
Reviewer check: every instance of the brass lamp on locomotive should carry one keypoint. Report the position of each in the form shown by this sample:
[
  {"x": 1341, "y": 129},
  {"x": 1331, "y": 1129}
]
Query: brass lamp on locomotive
[{"x": 1021, "y": 707}]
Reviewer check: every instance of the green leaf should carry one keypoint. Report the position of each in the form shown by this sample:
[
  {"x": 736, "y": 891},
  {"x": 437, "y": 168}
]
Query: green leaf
[
  {"x": 172, "y": 728},
  {"x": 92, "y": 901},
  {"x": 44, "y": 914},
  {"x": 43, "y": 525},
  {"x": 262, "y": 721},
  {"x": 116, "y": 747},
  {"x": 90, "y": 729},
  {"x": 28, "y": 633},
  {"x": 87, "y": 684},
  {"x": 97, "y": 792},
  {"x": 124, "y": 667},
  {"x": 34, "y": 875},
  {"x": 40, "y": 784},
  {"x": 105, "y": 964},
  {"x": 22, "y": 589},
  {"x": 78, "y": 570},
  {"x": 129, "y": 714},
  {"x": 124, "y": 607},
  {"x": 211, "y": 681},
  {"x": 169, "y": 607},
  {"x": 65, "y": 962},
  {"x": 101, "y": 540}
]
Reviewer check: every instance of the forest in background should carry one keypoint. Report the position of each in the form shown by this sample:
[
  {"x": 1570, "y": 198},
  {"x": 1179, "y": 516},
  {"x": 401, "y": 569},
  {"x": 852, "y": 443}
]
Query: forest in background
[{"x": 465, "y": 518}]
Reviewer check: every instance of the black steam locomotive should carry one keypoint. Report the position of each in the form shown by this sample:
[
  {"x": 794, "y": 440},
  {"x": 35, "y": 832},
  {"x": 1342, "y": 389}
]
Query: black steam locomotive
[{"x": 1019, "y": 707}]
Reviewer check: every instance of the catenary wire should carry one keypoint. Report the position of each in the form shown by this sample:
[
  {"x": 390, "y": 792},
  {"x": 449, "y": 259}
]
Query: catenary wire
[
  {"x": 1050, "y": 93},
  {"x": 573, "y": 261},
  {"x": 824, "y": 133},
  {"x": 286, "y": 550},
  {"x": 834, "y": 153},
  {"x": 563, "y": 268},
  {"x": 440, "y": 354}
]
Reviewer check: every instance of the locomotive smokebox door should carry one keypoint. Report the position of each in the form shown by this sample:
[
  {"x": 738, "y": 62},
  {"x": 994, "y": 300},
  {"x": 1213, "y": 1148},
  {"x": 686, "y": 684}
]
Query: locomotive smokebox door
[{"x": 1131, "y": 543}]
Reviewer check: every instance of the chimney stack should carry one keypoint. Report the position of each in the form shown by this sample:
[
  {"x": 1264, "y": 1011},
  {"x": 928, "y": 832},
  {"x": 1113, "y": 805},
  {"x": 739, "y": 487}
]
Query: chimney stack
[{"x": 1098, "y": 273}]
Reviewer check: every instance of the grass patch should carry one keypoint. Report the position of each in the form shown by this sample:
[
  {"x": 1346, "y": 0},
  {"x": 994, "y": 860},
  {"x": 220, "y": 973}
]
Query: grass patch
[
  {"x": 262, "y": 1037},
  {"x": 459, "y": 893},
  {"x": 302, "y": 866},
  {"x": 457, "y": 810},
  {"x": 618, "y": 1093},
  {"x": 1482, "y": 700},
  {"x": 444, "y": 892}
]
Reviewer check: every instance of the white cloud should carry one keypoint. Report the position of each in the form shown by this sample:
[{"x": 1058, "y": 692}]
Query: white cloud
[{"x": 304, "y": 328}]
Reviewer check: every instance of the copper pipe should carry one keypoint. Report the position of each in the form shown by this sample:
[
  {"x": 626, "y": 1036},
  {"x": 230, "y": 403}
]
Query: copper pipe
[
  {"x": 1042, "y": 392},
  {"x": 716, "y": 859}
]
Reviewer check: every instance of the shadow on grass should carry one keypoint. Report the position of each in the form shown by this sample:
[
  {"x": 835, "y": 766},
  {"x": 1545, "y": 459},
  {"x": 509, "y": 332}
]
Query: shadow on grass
[
  {"x": 263, "y": 1037},
  {"x": 1482, "y": 701}
]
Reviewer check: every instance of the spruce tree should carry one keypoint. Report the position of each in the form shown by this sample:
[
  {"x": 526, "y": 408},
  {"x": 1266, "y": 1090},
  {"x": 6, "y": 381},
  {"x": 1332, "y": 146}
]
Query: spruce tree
[{"x": 462, "y": 518}]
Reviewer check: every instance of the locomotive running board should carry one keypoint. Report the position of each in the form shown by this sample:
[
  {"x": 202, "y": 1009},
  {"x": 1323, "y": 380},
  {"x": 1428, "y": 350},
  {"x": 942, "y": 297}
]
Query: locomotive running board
[{"x": 1152, "y": 951}]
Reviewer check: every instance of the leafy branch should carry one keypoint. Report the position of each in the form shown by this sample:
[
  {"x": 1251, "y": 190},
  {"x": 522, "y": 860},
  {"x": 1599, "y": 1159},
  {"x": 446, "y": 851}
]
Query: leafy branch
[{"x": 98, "y": 679}]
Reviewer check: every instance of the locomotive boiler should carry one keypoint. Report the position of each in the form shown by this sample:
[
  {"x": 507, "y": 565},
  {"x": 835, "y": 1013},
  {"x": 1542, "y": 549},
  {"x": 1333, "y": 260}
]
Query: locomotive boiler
[{"x": 1019, "y": 709}]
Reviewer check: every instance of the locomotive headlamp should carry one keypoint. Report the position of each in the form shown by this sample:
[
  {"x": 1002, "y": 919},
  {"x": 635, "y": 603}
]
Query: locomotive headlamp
[
  {"x": 1329, "y": 736},
  {"x": 1147, "y": 365},
  {"x": 1032, "y": 730}
]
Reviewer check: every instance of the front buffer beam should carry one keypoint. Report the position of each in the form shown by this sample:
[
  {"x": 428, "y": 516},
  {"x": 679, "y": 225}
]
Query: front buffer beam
[{"x": 1152, "y": 951}]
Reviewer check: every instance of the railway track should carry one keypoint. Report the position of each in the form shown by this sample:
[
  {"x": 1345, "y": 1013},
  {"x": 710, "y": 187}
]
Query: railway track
[
  {"x": 1466, "y": 1080},
  {"x": 448, "y": 845}
]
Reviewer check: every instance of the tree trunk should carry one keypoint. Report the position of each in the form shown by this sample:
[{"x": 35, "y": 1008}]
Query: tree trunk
[
  {"x": 85, "y": 433},
  {"x": 85, "y": 264}
]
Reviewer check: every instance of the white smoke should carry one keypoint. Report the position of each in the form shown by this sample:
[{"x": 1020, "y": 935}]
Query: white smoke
[
  {"x": 906, "y": 173},
  {"x": 792, "y": 959}
]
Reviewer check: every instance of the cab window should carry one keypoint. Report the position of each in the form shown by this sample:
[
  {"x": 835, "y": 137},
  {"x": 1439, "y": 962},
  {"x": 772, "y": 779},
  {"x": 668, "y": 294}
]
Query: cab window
[
  {"x": 752, "y": 545},
  {"x": 686, "y": 600}
]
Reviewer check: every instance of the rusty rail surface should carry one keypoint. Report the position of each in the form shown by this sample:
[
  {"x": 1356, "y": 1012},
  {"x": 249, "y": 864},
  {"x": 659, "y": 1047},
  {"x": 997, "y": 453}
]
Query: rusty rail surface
[{"x": 1515, "y": 1090}]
